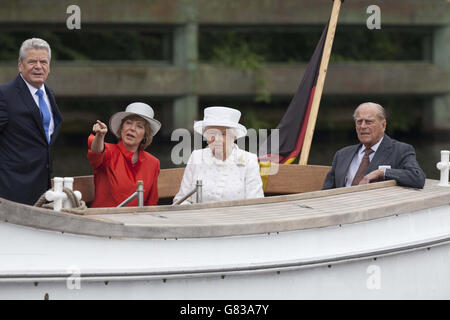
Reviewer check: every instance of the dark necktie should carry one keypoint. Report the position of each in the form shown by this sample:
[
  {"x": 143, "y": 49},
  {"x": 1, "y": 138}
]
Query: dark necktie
[
  {"x": 45, "y": 113},
  {"x": 362, "y": 167}
]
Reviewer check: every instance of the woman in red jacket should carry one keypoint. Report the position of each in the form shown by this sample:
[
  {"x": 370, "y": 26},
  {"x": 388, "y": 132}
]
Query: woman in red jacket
[{"x": 118, "y": 167}]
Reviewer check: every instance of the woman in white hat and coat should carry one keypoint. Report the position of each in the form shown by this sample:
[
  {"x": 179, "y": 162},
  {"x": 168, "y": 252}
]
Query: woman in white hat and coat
[
  {"x": 226, "y": 172},
  {"x": 118, "y": 167}
]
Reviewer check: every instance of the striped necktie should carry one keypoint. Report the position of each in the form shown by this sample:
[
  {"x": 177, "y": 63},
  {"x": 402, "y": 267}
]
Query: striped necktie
[{"x": 45, "y": 112}]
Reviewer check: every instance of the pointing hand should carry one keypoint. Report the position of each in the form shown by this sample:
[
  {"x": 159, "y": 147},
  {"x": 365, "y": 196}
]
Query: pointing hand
[{"x": 99, "y": 128}]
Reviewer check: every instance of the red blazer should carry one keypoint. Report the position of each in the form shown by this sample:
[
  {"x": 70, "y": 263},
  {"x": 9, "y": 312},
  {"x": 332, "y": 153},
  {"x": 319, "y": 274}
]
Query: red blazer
[{"x": 115, "y": 177}]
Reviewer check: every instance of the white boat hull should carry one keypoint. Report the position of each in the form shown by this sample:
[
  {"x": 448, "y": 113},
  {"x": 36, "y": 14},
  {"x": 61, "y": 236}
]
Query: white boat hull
[{"x": 404, "y": 256}]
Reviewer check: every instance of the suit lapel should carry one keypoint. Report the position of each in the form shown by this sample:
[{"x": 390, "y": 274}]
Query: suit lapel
[
  {"x": 383, "y": 153},
  {"x": 29, "y": 102},
  {"x": 343, "y": 168}
]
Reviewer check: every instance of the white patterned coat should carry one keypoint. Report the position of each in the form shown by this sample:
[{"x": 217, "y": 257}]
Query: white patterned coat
[{"x": 236, "y": 178}]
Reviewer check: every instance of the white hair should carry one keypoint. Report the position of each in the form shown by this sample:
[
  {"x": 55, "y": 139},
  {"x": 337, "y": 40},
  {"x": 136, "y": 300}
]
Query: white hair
[
  {"x": 380, "y": 110},
  {"x": 34, "y": 43}
]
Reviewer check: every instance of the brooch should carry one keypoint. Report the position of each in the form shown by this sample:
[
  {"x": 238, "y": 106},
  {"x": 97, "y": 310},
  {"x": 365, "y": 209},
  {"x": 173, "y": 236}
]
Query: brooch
[{"x": 241, "y": 161}]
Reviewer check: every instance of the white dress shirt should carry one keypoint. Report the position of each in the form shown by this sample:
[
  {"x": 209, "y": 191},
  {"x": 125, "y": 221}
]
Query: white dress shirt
[
  {"x": 235, "y": 178},
  {"x": 354, "y": 165},
  {"x": 33, "y": 91}
]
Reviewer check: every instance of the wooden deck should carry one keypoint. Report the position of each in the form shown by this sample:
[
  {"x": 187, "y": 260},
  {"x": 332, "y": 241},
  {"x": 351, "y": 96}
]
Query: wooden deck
[
  {"x": 284, "y": 213},
  {"x": 254, "y": 216}
]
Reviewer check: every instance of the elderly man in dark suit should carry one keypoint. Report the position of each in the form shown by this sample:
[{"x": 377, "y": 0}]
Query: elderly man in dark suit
[
  {"x": 29, "y": 123},
  {"x": 377, "y": 157}
]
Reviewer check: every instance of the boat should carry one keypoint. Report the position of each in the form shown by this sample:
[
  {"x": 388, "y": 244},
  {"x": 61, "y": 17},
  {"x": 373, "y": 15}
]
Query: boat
[{"x": 375, "y": 241}]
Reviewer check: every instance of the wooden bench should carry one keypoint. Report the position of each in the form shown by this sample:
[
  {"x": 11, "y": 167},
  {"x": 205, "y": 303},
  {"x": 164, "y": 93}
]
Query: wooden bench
[{"x": 289, "y": 179}]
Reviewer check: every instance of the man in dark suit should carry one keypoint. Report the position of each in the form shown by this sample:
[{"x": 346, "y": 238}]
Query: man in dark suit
[
  {"x": 377, "y": 157},
  {"x": 29, "y": 124}
]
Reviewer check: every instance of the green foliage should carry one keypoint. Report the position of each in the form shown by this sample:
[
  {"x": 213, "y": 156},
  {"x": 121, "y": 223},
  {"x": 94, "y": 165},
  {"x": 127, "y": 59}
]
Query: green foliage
[
  {"x": 275, "y": 46},
  {"x": 246, "y": 50},
  {"x": 9, "y": 49},
  {"x": 404, "y": 115},
  {"x": 252, "y": 119},
  {"x": 372, "y": 45},
  {"x": 350, "y": 44},
  {"x": 232, "y": 50},
  {"x": 249, "y": 51},
  {"x": 235, "y": 52},
  {"x": 261, "y": 85},
  {"x": 89, "y": 45}
]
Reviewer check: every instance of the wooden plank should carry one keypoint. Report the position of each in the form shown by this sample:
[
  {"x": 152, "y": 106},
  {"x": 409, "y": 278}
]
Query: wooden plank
[
  {"x": 169, "y": 182},
  {"x": 296, "y": 179},
  {"x": 85, "y": 184},
  {"x": 359, "y": 206},
  {"x": 242, "y": 203}
]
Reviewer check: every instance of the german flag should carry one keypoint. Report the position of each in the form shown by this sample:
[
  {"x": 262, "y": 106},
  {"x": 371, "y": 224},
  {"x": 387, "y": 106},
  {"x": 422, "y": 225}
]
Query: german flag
[{"x": 292, "y": 126}]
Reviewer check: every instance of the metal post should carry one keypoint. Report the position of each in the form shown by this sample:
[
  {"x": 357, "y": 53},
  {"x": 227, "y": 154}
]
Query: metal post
[
  {"x": 140, "y": 192},
  {"x": 444, "y": 167},
  {"x": 199, "y": 191}
]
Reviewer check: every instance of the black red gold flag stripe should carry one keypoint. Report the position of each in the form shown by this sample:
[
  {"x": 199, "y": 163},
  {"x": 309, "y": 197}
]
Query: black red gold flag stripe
[{"x": 292, "y": 126}]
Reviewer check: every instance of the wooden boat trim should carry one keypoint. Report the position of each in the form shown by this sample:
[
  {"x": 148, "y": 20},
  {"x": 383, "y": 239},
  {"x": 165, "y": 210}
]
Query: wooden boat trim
[
  {"x": 234, "y": 203},
  {"x": 275, "y": 214}
]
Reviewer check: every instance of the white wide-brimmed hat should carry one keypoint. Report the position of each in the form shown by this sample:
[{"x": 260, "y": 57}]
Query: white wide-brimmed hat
[
  {"x": 223, "y": 117},
  {"x": 137, "y": 108}
]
